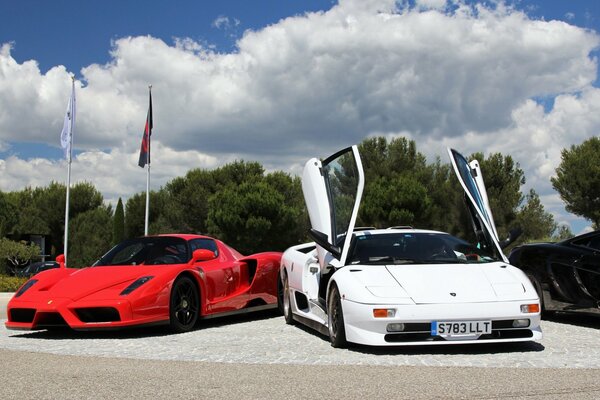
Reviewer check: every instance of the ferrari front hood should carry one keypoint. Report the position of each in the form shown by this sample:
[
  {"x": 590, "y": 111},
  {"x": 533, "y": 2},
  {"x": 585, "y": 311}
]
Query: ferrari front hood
[{"x": 457, "y": 283}]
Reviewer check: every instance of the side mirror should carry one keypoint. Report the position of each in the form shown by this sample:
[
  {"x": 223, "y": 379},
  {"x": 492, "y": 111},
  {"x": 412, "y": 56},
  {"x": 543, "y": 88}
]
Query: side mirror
[
  {"x": 321, "y": 239},
  {"x": 202, "y": 255},
  {"x": 60, "y": 259},
  {"x": 512, "y": 236}
]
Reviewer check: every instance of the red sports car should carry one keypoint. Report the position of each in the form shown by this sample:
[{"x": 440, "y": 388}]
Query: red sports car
[{"x": 166, "y": 279}]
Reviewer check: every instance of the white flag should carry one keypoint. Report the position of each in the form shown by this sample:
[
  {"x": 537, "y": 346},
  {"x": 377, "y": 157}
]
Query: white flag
[{"x": 66, "y": 136}]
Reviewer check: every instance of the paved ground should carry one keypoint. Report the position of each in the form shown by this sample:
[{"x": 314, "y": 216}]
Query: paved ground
[
  {"x": 266, "y": 339},
  {"x": 259, "y": 356},
  {"x": 46, "y": 376}
]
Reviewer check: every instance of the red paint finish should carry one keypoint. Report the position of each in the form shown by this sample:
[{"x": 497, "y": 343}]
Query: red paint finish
[{"x": 228, "y": 283}]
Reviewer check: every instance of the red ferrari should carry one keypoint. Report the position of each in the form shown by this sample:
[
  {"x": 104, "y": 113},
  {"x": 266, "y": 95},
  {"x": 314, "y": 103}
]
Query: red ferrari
[{"x": 166, "y": 279}]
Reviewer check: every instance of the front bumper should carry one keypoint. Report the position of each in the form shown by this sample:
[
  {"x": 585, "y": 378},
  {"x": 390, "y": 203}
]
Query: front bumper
[
  {"x": 81, "y": 315},
  {"x": 363, "y": 328}
]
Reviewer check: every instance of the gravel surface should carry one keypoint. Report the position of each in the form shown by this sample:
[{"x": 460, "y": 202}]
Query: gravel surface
[{"x": 569, "y": 342}]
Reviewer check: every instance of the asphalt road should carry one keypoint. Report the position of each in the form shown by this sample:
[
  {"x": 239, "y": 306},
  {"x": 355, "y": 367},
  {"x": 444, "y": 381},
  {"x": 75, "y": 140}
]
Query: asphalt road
[
  {"x": 46, "y": 376},
  {"x": 259, "y": 356}
]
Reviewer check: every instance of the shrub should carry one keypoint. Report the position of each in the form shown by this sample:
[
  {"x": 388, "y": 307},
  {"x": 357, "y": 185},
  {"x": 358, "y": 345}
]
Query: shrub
[{"x": 11, "y": 283}]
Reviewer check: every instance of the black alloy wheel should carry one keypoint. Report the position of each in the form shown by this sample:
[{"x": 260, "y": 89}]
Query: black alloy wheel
[
  {"x": 184, "y": 305},
  {"x": 335, "y": 318}
]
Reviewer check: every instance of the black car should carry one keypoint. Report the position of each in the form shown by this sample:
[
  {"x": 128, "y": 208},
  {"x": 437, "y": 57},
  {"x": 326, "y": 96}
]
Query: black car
[
  {"x": 566, "y": 274},
  {"x": 36, "y": 267}
]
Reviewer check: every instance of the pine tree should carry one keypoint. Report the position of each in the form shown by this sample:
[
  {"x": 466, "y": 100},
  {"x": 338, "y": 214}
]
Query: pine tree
[{"x": 118, "y": 223}]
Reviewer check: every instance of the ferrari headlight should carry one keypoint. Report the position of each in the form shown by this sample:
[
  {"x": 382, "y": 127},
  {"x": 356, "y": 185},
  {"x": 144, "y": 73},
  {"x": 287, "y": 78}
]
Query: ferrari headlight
[
  {"x": 26, "y": 287},
  {"x": 136, "y": 284}
]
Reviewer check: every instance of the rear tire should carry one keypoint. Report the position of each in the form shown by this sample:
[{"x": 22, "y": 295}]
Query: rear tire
[
  {"x": 286, "y": 304},
  {"x": 184, "y": 305},
  {"x": 335, "y": 319}
]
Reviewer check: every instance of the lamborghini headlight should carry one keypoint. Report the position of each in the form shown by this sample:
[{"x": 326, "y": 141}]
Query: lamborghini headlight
[
  {"x": 530, "y": 308},
  {"x": 26, "y": 287},
  {"x": 136, "y": 284}
]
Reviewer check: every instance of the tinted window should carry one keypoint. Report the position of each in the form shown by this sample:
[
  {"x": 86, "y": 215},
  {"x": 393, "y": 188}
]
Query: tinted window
[
  {"x": 589, "y": 241},
  {"x": 341, "y": 179},
  {"x": 203, "y": 243},
  {"x": 415, "y": 248},
  {"x": 147, "y": 251}
]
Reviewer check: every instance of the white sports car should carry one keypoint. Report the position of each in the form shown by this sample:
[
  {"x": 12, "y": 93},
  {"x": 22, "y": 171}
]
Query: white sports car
[{"x": 401, "y": 286}]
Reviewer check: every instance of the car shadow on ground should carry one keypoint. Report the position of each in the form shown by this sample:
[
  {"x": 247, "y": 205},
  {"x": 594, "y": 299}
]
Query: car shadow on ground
[
  {"x": 148, "y": 331},
  {"x": 577, "y": 319},
  {"x": 456, "y": 349}
]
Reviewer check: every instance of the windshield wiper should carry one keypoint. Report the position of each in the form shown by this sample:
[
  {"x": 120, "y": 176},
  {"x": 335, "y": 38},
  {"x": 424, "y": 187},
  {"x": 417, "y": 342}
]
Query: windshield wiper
[{"x": 392, "y": 260}]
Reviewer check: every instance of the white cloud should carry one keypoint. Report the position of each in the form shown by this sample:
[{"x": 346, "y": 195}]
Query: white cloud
[
  {"x": 311, "y": 84},
  {"x": 431, "y": 4},
  {"x": 115, "y": 174},
  {"x": 223, "y": 22}
]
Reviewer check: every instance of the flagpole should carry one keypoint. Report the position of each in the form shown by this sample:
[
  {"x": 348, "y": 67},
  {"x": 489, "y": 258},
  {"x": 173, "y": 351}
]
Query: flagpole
[
  {"x": 67, "y": 209},
  {"x": 148, "y": 179},
  {"x": 66, "y": 247}
]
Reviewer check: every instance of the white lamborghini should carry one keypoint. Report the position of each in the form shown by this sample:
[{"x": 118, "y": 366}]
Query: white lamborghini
[{"x": 401, "y": 286}]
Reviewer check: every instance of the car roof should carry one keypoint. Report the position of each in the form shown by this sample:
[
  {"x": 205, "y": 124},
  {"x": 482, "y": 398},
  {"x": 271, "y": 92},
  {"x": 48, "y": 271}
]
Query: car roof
[
  {"x": 186, "y": 236},
  {"x": 396, "y": 230}
]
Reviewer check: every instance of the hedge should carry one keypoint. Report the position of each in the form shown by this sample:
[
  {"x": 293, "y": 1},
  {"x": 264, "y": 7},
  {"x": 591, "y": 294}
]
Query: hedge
[{"x": 11, "y": 283}]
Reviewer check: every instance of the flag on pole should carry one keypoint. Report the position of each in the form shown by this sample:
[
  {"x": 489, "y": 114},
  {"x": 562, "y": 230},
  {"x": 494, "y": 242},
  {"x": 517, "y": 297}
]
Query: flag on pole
[
  {"x": 66, "y": 136},
  {"x": 145, "y": 148}
]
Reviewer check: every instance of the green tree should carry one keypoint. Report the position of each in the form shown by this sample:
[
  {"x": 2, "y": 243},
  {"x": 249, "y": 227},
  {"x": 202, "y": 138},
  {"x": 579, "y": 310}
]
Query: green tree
[
  {"x": 8, "y": 215},
  {"x": 503, "y": 179},
  {"x": 395, "y": 201},
  {"x": 533, "y": 219},
  {"x": 118, "y": 223},
  {"x": 252, "y": 217},
  {"x": 90, "y": 236},
  {"x": 16, "y": 255},
  {"x": 563, "y": 232},
  {"x": 42, "y": 209},
  {"x": 135, "y": 214},
  {"x": 578, "y": 180}
]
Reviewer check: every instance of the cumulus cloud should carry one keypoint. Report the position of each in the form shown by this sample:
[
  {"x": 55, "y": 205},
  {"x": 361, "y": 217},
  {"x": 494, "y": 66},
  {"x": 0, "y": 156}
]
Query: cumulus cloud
[
  {"x": 115, "y": 173},
  {"x": 310, "y": 84}
]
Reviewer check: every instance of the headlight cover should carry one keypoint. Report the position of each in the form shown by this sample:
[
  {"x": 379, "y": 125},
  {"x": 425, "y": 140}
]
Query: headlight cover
[
  {"x": 26, "y": 287},
  {"x": 136, "y": 284}
]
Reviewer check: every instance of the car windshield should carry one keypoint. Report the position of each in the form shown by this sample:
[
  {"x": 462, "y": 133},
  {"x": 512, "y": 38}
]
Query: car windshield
[
  {"x": 414, "y": 248},
  {"x": 147, "y": 251}
]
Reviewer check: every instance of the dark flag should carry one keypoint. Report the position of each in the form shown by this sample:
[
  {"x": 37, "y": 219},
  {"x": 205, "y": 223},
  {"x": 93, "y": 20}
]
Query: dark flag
[{"x": 145, "y": 149}]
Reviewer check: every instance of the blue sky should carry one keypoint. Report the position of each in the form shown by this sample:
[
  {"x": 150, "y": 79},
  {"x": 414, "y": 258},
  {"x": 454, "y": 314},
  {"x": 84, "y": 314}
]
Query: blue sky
[
  {"x": 224, "y": 71},
  {"x": 79, "y": 33}
]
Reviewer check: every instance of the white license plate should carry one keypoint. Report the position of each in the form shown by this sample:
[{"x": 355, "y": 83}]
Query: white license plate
[{"x": 460, "y": 328}]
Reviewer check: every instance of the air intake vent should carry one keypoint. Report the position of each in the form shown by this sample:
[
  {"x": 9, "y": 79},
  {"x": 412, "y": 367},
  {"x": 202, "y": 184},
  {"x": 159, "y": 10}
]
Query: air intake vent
[
  {"x": 22, "y": 315},
  {"x": 98, "y": 314}
]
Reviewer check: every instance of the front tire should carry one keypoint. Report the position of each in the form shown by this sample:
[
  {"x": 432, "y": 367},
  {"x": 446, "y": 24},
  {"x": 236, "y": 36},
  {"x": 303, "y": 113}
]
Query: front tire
[
  {"x": 335, "y": 319},
  {"x": 286, "y": 305},
  {"x": 184, "y": 305}
]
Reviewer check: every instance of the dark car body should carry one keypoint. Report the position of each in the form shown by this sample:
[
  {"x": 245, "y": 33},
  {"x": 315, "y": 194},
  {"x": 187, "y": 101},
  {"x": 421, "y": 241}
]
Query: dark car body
[
  {"x": 566, "y": 274},
  {"x": 37, "y": 267}
]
